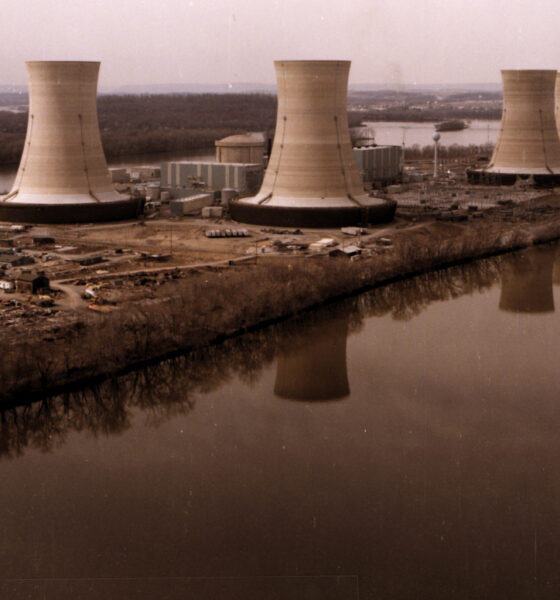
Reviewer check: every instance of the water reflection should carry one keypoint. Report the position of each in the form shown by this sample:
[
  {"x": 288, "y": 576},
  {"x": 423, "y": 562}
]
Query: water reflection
[
  {"x": 310, "y": 351},
  {"x": 527, "y": 280},
  {"x": 313, "y": 366},
  {"x": 437, "y": 477}
]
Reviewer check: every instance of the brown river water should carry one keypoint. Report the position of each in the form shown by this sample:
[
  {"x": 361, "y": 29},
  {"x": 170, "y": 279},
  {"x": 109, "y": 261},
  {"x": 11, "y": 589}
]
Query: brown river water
[{"x": 402, "y": 444}]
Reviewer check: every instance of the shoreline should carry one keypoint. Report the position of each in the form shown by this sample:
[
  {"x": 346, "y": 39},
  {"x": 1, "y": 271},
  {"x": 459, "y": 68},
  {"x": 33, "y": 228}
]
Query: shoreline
[{"x": 217, "y": 303}]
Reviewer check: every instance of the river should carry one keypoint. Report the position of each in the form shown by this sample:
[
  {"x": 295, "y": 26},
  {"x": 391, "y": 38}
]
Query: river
[
  {"x": 401, "y": 444},
  {"x": 479, "y": 132}
]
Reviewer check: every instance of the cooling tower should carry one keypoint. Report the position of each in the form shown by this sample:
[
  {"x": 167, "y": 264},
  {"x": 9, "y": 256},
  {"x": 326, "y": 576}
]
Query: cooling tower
[
  {"x": 557, "y": 103},
  {"x": 528, "y": 144},
  {"x": 63, "y": 175},
  {"x": 312, "y": 179}
]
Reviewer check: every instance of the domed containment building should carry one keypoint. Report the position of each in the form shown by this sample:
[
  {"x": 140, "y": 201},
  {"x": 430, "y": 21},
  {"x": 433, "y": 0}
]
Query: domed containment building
[
  {"x": 63, "y": 175},
  {"x": 528, "y": 145},
  {"x": 244, "y": 148},
  {"x": 312, "y": 179}
]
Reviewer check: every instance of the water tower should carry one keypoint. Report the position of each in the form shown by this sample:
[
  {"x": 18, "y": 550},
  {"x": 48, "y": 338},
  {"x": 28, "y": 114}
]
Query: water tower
[
  {"x": 63, "y": 175},
  {"x": 312, "y": 179}
]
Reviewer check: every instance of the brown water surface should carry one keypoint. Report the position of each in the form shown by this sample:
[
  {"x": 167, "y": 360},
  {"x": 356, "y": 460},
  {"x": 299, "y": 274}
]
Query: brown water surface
[{"x": 403, "y": 444}]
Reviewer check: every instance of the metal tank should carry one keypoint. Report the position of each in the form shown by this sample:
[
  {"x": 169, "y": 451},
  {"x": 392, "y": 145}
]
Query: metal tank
[
  {"x": 63, "y": 174},
  {"x": 312, "y": 178},
  {"x": 528, "y": 145}
]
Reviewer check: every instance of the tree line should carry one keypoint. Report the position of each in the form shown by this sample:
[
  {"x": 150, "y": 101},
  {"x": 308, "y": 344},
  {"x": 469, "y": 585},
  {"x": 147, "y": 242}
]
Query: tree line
[{"x": 150, "y": 123}]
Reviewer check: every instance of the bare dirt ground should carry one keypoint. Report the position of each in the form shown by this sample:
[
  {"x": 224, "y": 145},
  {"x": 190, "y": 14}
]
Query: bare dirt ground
[{"x": 141, "y": 261}]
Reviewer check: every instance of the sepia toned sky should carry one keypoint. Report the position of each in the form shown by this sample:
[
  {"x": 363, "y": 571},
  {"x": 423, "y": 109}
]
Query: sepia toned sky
[{"x": 234, "y": 41}]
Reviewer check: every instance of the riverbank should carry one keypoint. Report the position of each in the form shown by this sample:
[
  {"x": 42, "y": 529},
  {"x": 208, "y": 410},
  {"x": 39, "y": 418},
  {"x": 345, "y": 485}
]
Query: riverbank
[{"x": 213, "y": 303}]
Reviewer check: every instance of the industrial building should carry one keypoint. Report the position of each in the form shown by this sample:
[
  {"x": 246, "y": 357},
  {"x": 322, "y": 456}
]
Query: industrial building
[
  {"x": 248, "y": 148},
  {"x": 380, "y": 165},
  {"x": 529, "y": 145},
  {"x": 182, "y": 179},
  {"x": 312, "y": 179},
  {"x": 63, "y": 175}
]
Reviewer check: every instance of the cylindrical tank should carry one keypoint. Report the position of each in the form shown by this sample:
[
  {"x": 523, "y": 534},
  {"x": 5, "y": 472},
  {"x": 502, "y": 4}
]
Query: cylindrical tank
[
  {"x": 243, "y": 149},
  {"x": 63, "y": 164},
  {"x": 311, "y": 176},
  {"x": 227, "y": 195},
  {"x": 528, "y": 143}
]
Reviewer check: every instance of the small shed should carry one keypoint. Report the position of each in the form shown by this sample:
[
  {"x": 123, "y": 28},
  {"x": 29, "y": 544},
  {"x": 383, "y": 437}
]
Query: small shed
[
  {"x": 15, "y": 259},
  {"x": 30, "y": 282}
]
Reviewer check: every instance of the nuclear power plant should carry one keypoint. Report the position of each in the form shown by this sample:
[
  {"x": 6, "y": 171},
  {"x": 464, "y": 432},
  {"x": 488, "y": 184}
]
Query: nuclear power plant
[
  {"x": 529, "y": 143},
  {"x": 312, "y": 179},
  {"x": 63, "y": 175}
]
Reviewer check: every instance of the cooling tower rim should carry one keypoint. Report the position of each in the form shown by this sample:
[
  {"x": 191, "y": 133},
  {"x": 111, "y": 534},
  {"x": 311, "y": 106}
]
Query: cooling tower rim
[
  {"x": 304, "y": 202},
  {"x": 312, "y": 62},
  {"x": 520, "y": 170},
  {"x": 62, "y": 199},
  {"x": 314, "y": 217},
  {"x": 129, "y": 208},
  {"x": 62, "y": 62},
  {"x": 528, "y": 71}
]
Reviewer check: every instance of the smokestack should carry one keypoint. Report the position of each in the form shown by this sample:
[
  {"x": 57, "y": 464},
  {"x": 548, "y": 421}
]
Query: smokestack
[
  {"x": 528, "y": 144},
  {"x": 312, "y": 178},
  {"x": 63, "y": 175}
]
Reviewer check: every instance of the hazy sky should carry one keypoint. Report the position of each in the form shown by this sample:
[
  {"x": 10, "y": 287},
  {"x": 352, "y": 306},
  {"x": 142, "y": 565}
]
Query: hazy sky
[{"x": 233, "y": 41}]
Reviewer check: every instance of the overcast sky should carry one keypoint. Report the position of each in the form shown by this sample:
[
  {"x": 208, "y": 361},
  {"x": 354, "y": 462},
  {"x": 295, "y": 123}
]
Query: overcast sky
[{"x": 234, "y": 41}]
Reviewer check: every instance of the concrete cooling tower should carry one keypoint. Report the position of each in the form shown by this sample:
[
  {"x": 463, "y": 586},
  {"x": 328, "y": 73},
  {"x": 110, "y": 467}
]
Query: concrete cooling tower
[
  {"x": 557, "y": 103},
  {"x": 63, "y": 175},
  {"x": 528, "y": 144},
  {"x": 312, "y": 179}
]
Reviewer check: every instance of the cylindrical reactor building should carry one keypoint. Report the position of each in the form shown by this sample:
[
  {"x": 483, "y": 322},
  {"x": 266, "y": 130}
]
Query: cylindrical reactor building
[
  {"x": 312, "y": 178},
  {"x": 528, "y": 144},
  {"x": 63, "y": 175}
]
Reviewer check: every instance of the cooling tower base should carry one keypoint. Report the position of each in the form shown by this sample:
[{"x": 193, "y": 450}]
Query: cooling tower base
[
  {"x": 328, "y": 217},
  {"x": 482, "y": 177},
  {"x": 71, "y": 213}
]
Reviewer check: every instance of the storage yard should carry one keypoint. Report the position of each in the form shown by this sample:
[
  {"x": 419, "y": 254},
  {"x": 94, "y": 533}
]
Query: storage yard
[{"x": 99, "y": 268}]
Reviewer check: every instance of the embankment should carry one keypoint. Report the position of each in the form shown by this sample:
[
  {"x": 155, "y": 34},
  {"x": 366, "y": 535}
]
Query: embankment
[{"x": 212, "y": 304}]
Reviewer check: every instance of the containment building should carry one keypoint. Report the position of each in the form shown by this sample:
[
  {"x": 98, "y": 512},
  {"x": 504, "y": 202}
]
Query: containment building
[
  {"x": 312, "y": 179},
  {"x": 63, "y": 175},
  {"x": 247, "y": 148},
  {"x": 528, "y": 145}
]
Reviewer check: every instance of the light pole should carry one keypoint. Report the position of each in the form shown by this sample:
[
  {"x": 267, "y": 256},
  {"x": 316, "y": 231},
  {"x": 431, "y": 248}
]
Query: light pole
[{"x": 435, "y": 137}]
